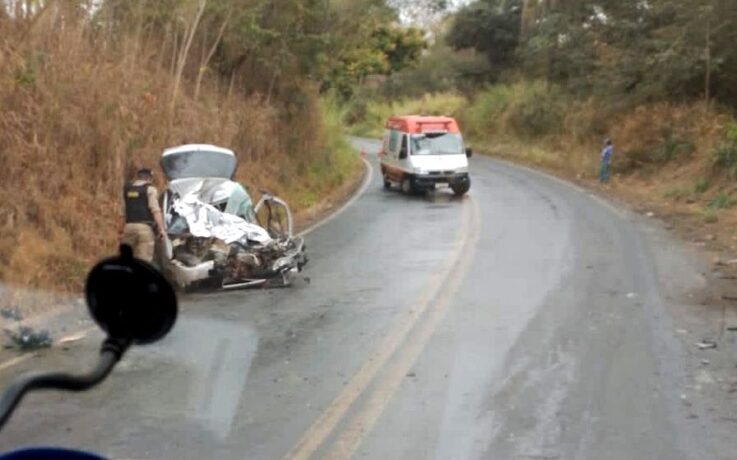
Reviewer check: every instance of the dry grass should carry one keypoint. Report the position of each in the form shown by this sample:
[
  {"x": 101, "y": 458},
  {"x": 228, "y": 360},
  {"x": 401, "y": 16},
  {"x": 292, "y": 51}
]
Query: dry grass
[{"x": 76, "y": 119}]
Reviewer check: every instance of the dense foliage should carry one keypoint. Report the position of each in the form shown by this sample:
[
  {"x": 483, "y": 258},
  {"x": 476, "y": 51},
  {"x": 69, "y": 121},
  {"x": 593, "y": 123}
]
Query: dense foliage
[{"x": 643, "y": 51}]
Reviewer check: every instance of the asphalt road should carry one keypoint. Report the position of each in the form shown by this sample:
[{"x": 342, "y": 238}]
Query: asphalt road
[{"x": 524, "y": 321}]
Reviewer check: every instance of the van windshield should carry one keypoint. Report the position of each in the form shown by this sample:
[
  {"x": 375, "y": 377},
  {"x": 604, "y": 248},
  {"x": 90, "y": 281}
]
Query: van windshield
[{"x": 437, "y": 144}]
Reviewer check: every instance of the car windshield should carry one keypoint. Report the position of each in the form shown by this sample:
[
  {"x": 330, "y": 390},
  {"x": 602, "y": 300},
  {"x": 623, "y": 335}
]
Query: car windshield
[{"x": 437, "y": 144}]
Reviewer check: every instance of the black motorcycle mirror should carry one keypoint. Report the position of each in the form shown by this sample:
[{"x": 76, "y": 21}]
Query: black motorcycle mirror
[{"x": 131, "y": 301}]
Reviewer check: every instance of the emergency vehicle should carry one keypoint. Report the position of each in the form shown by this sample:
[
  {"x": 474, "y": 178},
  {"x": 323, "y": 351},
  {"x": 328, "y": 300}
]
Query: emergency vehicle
[{"x": 423, "y": 153}]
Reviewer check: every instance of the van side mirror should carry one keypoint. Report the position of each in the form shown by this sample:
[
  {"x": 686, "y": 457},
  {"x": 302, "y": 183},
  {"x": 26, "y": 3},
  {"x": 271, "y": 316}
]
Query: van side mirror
[
  {"x": 469, "y": 152},
  {"x": 403, "y": 153}
]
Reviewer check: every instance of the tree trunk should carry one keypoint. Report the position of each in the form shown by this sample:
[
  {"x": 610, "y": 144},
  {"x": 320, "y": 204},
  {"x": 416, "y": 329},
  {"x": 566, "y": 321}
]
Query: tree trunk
[
  {"x": 231, "y": 85},
  {"x": 206, "y": 60},
  {"x": 707, "y": 77},
  {"x": 174, "y": 52},
  {"x": 182, "y": 60},
  {"x": 272, "y": 82}
]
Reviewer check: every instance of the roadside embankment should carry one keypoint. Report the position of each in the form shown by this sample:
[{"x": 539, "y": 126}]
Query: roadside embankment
[{"x": 79, "y": 117}]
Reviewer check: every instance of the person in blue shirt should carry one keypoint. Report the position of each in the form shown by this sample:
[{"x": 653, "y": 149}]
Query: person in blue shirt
[{"x": 606, "y": 156}]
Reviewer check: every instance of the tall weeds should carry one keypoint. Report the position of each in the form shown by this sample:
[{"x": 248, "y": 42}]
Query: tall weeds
[{"x": 78, "y": 114}]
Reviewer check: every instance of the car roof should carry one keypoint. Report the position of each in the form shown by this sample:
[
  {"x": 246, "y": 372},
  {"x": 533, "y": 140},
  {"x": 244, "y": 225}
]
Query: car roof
[{"x": 422, "y": 124}]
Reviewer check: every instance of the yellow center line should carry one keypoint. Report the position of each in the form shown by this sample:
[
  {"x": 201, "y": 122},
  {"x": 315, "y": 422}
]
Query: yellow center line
[
  {"x": 316, "y": 434},
  {"x": 364, "y": 421}
]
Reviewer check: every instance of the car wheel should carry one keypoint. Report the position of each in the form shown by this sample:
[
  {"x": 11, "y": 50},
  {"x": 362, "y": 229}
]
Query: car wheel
[
  {"x": 461, "y": 189},
  {"x": 407, "y": 185}
]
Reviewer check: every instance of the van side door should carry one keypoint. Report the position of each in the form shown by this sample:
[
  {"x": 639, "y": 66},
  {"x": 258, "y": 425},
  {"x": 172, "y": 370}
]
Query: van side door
[
  {"x": 390, "y": 152},
  {"x": 384, "y": 151}
]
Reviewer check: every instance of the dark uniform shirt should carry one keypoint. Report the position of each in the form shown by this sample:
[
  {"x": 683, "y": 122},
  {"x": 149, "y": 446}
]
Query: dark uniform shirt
[{"x": 140, "y": 202}]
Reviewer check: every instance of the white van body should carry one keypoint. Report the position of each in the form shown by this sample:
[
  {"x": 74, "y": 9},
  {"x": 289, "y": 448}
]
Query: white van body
[{"x": 424, "y": 153}]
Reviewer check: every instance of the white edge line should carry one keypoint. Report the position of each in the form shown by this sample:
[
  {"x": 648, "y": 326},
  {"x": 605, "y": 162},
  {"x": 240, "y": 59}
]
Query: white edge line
[
  {"x": 366, "y": 182},
  {"x": 603, "y": 202},
  {"x": 16, "y": 360}
]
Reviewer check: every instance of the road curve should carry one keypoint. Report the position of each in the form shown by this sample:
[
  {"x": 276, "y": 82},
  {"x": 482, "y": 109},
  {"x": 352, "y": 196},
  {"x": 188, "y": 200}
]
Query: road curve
[{"x": 525, "y": 320}]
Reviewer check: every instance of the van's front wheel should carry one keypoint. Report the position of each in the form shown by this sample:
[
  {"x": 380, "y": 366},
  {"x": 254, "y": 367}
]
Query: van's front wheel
[
  {"x": 462, "y": 188},
  {"x": 407, "y": 185}
]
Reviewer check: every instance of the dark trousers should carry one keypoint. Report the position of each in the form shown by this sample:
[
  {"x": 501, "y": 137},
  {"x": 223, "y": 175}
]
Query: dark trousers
[{"x": 604, "y": 171}]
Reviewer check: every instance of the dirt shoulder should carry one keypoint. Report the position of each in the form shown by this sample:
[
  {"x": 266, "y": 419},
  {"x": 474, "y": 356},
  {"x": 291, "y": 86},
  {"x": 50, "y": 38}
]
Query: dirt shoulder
[{"x": 332, "y": 202}]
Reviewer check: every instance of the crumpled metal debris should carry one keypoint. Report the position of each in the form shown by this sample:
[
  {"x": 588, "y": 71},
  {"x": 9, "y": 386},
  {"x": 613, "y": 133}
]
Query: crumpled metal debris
[
  {"x": 706, "y": 344},
  {"x": 206, "y": 221},
  {"x": 27, "y": 338},
  {"x": 11, "y": 314}
]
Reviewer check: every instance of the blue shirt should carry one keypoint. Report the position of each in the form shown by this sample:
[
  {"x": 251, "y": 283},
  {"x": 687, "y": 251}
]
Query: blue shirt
[{"x": 606, "y": 154}]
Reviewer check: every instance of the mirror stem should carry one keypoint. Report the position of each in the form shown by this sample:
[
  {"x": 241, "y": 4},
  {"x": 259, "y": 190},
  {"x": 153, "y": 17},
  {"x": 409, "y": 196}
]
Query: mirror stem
[{"x": 110, "y": 353}]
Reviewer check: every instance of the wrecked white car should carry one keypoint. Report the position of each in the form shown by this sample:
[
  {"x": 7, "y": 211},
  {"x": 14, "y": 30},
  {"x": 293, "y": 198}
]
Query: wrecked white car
[{"x": 216, "y": 237}]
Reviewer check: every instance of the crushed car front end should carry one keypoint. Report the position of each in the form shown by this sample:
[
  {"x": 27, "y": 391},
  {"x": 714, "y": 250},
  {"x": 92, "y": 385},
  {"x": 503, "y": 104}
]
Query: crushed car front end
[{"x": 217, "y": 238}]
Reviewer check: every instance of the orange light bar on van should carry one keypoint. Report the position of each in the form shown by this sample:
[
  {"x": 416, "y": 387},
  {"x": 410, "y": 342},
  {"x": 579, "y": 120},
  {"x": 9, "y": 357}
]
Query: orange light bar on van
[{"x": 415, "y": 124}]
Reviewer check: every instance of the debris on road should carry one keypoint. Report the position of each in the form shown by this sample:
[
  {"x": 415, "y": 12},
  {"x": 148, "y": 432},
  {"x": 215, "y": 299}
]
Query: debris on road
[
  {"x": 411, "y": 375},
  {"x": 631, "y": 295},
  {"x": 11, "y": 314},
  {"x": 26, "y": 338},
  {"x": 706, "y": 344},
  {"x": 73, "y": 338}
]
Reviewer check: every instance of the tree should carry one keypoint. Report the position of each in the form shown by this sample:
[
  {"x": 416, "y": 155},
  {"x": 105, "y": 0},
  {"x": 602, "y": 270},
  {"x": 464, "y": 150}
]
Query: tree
[
  {"x": 190, "y": 30},
  {"x": 388, "y": 50},
  {"x": 422, "y": 13},
  {"x": 491, "y": 27}
]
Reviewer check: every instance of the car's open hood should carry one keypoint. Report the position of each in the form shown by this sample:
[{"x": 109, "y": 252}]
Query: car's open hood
[{"x": 198, "y": 160}]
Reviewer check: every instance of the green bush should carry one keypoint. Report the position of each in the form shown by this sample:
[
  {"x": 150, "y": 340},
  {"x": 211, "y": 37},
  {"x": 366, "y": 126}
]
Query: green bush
[
  {"x": 701, "y": 185},
  {"x": 676, "y": 193},
  {"x": 726, "y": 155},
  {"x": 721, "y": 201},
  {"x": 368, "y": 118},
  {"x": 673, "y": 147},
  {"x": 526, "y": 109},
  {"x": 710, "y": 217}
]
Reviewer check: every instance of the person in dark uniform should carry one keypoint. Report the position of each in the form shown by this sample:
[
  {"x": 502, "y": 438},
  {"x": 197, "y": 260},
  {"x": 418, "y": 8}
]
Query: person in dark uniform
[{"x": 142, "y": 215}]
